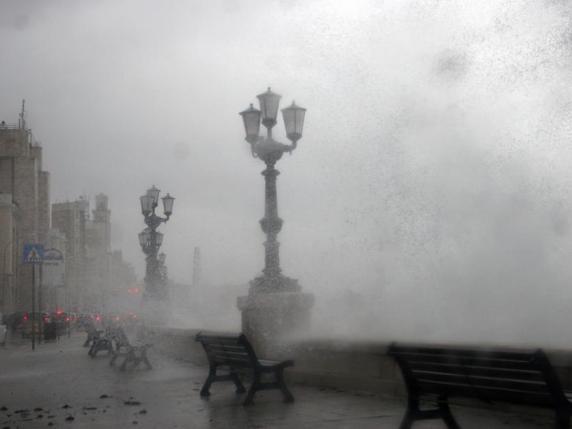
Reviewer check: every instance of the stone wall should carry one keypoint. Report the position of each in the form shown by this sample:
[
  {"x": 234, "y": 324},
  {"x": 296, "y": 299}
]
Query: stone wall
[
  {"x": 178, "y": 344},
  {"x": 343, "y": 364}
]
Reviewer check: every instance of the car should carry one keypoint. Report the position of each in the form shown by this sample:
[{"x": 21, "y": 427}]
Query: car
[
  {"x": 62, "y": 321},
  {"x": 14, "y": 320},
  {"x": 31, "y": 323}
]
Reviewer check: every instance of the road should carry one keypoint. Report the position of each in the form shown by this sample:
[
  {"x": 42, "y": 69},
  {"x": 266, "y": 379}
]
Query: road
[{"x": 59, "y": 386}]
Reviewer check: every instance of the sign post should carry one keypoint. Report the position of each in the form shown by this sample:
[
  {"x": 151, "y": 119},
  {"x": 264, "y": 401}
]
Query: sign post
[
  {"x": 53, "y": 279},
  {"x": 33, "y": 254}
]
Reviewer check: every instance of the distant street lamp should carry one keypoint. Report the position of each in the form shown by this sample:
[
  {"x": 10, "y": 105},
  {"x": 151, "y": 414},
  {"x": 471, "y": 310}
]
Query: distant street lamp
[
  {"x": 150, "y": 240},
  {"x": 270, "y": 151}
]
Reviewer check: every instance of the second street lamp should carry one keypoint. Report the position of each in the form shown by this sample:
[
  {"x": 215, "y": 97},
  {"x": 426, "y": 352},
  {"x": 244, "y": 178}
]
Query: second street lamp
[{"x": 150, "y": 240}]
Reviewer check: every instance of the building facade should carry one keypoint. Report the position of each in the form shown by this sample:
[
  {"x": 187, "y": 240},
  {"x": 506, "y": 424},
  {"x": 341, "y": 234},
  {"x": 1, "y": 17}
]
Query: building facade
[
  {"x": 98, "y": 252},
  {"x": 93, "y": 276},
  {"x": 96, "y": 278},
  {"x": 24, "y": 212},
  {"x": 70, "y": 219}
]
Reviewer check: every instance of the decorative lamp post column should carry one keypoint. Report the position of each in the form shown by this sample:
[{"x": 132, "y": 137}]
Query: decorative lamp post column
[
  {"x": 150, "y": 240},
  {"x": 275, "y": 304}
]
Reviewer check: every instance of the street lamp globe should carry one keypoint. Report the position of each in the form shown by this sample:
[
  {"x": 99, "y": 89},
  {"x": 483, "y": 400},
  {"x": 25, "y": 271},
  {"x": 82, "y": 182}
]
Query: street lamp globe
[
  {"x": 144, "y": 237},
  {"x": 154, "y": 193},
  {"x": 158, "y": 238},
  {"x": 294, "y": 121},
  {"x": 168, "y": 202},
  {"x": 251, "y": 119},
  {"x": 146, "y": 204},
  {"x": 269, "y": 102}
]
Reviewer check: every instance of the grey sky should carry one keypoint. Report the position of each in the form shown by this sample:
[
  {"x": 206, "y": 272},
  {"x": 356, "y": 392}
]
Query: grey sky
[{"x": 436, "y": 154}]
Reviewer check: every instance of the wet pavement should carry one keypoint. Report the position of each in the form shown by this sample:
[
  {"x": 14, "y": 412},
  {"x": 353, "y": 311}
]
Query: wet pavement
[{"x": 59, "y": 386}]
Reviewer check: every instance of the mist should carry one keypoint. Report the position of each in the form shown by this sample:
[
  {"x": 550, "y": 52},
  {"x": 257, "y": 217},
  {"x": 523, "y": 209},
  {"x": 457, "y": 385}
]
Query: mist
[{"x": 429, "y": 196}]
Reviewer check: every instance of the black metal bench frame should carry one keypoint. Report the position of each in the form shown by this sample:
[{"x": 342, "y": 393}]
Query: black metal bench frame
[
  {"x": 520, "y": 377},
  {"x": 131, "y": 354},
  {"x": 92, "y": 335},
  {"x": 100, "y": 341},
  {"x": 234, "y": 352}
]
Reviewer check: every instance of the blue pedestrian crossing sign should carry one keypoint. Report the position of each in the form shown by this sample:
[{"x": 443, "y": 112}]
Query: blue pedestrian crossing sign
[{"x": 33, "y": 253}]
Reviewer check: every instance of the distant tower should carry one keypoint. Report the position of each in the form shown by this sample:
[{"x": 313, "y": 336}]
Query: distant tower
[
  {"x": 102, "y": 221},
  {"x": 22, "y": 119},
  {"x": 196, "y": 268}
]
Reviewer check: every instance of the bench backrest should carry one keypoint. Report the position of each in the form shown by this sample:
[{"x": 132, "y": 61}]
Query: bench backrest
[
  {"x": 525, "y": 377},
  {"x": 120, "y": 337},
  {"x": 233, "y": 350}
]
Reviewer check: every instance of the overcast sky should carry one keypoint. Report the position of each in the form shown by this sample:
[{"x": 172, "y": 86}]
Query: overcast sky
[{"x": 434, "y": 167}]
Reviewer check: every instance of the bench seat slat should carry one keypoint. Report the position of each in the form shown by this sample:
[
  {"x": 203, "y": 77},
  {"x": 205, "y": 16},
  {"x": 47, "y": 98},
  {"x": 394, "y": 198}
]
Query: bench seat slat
[
  {"x": 477, "y": 361},
  {"x": 521, "y": 385},
  {"x": 233, "y": 363},
  {"x": 229, "y": 354},
  {"x": 245, "y": 358},
  {"x": 444, "y": 357},
  {"x": 473, "y": 370},
  {"x": 487, "y": 392},
  {"x": 227, "y": 348},
  {"x": 424, "y": 351}
]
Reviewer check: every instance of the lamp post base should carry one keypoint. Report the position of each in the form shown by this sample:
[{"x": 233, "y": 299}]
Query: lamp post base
[
  {"x": 268, "y": 317},
  {"x": 273, "y": 283}
]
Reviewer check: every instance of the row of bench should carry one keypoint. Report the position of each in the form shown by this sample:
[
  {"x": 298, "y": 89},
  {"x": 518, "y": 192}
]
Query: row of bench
[
  {"x": 431, "y": 374},
  {"x": 115, "y": 342}
]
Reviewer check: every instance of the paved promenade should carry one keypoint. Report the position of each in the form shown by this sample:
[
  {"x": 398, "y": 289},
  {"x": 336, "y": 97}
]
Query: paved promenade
[{"x": 59, "y": 386}]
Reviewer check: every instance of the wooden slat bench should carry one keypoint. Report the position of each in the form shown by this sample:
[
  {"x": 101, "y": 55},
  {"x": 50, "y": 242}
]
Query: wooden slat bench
[
  {"x": 232, "y": 352},
  {"x": 132, "y": 354},
  {"x": 101, "y": 341},
  {"x": 92, "y": 335},
  {"x": 521, "y": 377}
]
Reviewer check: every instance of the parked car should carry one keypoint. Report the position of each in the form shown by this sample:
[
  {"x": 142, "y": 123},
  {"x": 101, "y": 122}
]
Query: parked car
[
  {"x": 62, "y": 322},
  {"x": 14, "y": 320},
  {"x": 31, "y": 323}
]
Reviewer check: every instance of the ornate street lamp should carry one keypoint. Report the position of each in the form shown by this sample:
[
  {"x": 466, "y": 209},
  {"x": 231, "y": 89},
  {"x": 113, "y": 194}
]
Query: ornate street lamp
[
  {"x": 150, "y": 240},
  {"x": 270, "y": 151}
]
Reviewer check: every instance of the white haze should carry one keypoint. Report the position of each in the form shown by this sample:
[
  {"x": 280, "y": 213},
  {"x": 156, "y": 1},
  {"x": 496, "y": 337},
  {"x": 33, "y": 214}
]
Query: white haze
[{"x": 429, "y": 196}]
